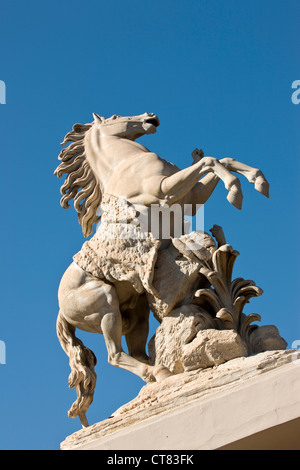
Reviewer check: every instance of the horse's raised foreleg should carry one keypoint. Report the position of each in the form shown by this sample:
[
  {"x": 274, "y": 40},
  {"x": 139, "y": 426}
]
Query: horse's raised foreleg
[
  {"x": 253, "y": 175},
  {"x": 178, "y": 185}
]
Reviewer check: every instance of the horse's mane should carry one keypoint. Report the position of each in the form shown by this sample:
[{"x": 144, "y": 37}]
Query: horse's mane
[{"x": 80, "y": 184}]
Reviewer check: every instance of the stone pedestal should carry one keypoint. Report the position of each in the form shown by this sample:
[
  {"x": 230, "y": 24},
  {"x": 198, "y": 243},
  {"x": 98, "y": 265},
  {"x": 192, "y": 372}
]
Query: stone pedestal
[{"x": 246, "y": 403}]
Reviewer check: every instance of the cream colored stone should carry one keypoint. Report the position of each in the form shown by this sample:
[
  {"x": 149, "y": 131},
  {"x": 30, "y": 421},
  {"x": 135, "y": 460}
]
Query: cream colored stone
[
  {"x": 267, "y": 338},
  {"x": 181, "y": 344},
  {"x": 205, "y": 409},
  {"x": 211, "y": 348},
  {"x": 124, "y": 269}
]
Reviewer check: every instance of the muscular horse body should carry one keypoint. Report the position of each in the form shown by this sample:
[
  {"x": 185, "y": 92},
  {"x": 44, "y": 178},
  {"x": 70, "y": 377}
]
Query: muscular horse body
[{"x": 115, "y": 164}]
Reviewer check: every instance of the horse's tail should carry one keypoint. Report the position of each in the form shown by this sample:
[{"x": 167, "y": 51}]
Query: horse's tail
[{"x": 82, "y": 362}]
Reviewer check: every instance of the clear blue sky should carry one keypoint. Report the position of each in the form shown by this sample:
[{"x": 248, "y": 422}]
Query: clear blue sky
[{"x": 218, "y": 74}]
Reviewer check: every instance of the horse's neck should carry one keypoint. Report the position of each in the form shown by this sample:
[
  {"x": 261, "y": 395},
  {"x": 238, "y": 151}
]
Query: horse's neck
[
  {"x": 110, "y": 152},
  {"x": 119, "y": 148}
]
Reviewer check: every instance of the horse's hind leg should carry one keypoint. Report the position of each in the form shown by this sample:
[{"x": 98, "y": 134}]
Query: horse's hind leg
[
  {"x": 136, "y": 337},
  {"x": 136, "y": 340},
  {"x": 111, "y": 326}
]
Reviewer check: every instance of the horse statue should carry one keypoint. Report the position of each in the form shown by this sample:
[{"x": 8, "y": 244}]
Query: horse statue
[{"x": 107, "y": 286}]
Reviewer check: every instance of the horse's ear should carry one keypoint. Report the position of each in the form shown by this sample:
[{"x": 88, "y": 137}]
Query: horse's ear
[{"x": 98, "y": 118}]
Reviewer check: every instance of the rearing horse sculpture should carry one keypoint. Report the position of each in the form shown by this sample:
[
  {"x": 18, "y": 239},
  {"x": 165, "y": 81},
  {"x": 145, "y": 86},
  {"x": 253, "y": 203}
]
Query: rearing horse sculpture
[{"x": 104, "y": 162}]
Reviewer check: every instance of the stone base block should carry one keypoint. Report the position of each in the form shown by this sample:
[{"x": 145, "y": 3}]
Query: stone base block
[{"x": 246, "y": 403}]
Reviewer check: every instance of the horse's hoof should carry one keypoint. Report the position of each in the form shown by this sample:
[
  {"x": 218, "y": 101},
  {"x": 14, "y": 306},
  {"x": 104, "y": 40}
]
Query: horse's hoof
[
  {"x": 235, "y": 196},
  {"x": 262, "y": 186},
  {"x": 161, "y": 373}
]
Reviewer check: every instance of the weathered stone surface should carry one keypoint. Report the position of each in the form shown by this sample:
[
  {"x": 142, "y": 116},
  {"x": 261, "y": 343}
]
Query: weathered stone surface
[
  {"x": 211, "y": 348},
  {"x": 266, "y": 338},
  {"x": 157, "y": 402},
  {"x": 177, "y": 274},
  {"x": 176, "y": 389},
  {"x": 181, "y": 344}
]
